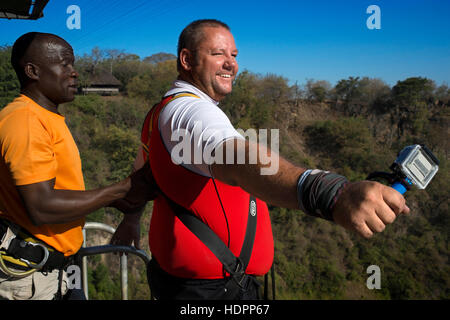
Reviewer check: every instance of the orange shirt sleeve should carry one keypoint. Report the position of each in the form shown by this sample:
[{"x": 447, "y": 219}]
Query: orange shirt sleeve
[{"x": 28, "y": 148}]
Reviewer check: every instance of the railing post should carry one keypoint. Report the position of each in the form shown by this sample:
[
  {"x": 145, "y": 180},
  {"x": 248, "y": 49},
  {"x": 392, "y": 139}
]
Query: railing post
[
  {"x": 88, "y": 251},
  {"x": 123, "y": 260},
  {"x": 84, "y": 268},
  {"x": 124, "y": 276}
]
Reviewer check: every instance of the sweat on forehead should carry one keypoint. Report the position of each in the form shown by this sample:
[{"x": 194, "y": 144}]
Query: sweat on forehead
[
  {"x": 38, "y": 46},
  {"x": 52, "y": 47},
  {"x": 56, "y": 49}
]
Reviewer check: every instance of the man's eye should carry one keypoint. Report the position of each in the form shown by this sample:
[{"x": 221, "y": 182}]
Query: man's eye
[{"x": 67, "y": 62}]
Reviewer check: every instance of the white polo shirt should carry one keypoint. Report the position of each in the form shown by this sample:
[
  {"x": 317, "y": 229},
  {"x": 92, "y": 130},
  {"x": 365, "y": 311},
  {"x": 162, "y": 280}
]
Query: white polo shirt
[{"x": 195, "y": 123}]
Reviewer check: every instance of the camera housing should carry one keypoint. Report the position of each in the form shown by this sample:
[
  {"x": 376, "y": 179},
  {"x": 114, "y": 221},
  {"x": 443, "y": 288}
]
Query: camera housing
[{"x": 416, "y": 165}]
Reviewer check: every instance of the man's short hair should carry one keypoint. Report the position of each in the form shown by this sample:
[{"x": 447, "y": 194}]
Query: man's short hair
[
  {"x": 19, "y": 50},
  {"x": 193, "y": 34}
]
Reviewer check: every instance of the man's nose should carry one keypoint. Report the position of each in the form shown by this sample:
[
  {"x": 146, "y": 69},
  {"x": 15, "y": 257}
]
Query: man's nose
[
  {"x": 74, "y": 73},
  {"x": 230, "y": 62}
]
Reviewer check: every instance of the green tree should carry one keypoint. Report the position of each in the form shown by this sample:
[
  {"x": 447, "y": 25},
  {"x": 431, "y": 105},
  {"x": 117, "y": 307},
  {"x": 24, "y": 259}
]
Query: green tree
[
  {"x": 9, "y": 84},
  {"x": 347, "y": 89},
  {"x": 126, "y": 68},
  {"x": 103, "y": 285},
  {"x": 120, "y": 146},
  {"x": 357, "y": 96},
  {"x": 152, "y": 83},
  {"x": 411, "y": 98},
  {"x": 274, "y": 89},
  {"x": 347, "y": 141},
  {"x": 412, "y": 90},
  {"x": 442, "y": 93},
  {"x": 317, "y": 90}
]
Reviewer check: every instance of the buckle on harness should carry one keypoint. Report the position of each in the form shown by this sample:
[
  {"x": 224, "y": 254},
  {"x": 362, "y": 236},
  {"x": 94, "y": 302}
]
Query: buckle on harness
[
  {"x": 239, "y": 274},
  {"x": 36, "y": 265}
]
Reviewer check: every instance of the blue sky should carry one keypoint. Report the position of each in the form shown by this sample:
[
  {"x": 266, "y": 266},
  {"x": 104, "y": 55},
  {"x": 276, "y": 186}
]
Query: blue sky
[{"x": 321, "y": 40}]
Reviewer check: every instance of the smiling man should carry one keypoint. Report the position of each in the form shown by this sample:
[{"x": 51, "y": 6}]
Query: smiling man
[
  {"x": 209, "y": 60},
  {"x": 43, "y": 201},
  {"x": 225, "y": 195},
  {"x": 182, "y": 267}
]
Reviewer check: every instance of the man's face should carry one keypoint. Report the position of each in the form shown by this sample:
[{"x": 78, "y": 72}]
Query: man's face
[
  {"x": 215, "y": 65},
  {"x": 57, "y": 78}
]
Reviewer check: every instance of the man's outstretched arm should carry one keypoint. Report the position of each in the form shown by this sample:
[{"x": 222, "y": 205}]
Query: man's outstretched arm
[{"x": 364, "y": 206}]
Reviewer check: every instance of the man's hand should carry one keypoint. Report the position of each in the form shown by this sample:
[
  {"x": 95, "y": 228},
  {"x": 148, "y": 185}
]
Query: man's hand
[
  {"x": 143, "y": 187},
  {"x": 128, "y": 231},
  {"x": 128, "y": 208},
  {"x": 367, "y": 207}
]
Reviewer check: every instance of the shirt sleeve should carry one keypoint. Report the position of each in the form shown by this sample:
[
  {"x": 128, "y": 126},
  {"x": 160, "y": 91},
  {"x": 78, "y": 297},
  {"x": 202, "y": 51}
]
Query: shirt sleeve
[
  {"x": 192, "y": 130},
  {"x": 27, "y": 149}
]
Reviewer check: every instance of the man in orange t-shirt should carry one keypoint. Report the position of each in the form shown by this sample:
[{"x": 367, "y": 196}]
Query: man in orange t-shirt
[
  {"x": 41, "y": 150},
  {"x": 42, "y": 193}
]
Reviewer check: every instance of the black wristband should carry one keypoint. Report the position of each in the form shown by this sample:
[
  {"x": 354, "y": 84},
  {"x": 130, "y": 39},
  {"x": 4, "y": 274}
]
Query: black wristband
[{"x": 317, "y": 192}]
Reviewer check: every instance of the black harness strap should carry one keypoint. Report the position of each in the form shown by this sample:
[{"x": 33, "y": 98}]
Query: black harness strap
[
  {"x": 235, "y": 266},
  {"x": 250, "y": 233},
  {"x": 20, "y": 249},
  {"x": 208, "y": 237},
  {"x": 231, "y": 263},
  {"x": 33, "y": 252}
]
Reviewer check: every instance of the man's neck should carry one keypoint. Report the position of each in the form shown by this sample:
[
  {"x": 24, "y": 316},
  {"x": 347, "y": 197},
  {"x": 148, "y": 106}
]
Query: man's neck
[
  {"x": 190, "y": 80},
  {"x": 198, "y": 90},
  {"x": 40, "y": 99}
]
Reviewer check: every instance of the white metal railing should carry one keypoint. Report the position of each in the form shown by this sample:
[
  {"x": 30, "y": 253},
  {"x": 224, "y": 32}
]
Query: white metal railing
[{"x": 89, "y": 251}]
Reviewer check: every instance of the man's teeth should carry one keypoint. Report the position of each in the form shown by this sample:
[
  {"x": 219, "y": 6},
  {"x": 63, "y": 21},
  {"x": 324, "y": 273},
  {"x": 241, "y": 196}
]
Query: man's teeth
[{"x": 225, "y": 75}]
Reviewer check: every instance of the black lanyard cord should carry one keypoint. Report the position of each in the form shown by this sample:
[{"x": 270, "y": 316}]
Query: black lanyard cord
[
  {"x": 225, "y": 216},
  {"x": 223, "y": 210}
]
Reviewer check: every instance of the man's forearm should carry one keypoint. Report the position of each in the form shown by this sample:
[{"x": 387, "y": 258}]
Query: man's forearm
[
  {"x": 46, "y": 205},
  {"x": 279, "y": 188}
]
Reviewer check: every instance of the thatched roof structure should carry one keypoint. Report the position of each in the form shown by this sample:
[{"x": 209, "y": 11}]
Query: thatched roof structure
[{"x": 104, "y": 79}]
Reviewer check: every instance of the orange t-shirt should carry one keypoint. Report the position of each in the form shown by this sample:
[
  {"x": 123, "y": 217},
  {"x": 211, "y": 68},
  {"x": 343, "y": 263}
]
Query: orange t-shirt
[{"x": 37, "y": 146}]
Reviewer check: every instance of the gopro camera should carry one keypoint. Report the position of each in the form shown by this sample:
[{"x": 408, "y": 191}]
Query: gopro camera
[{"x": 415, "y": 165}]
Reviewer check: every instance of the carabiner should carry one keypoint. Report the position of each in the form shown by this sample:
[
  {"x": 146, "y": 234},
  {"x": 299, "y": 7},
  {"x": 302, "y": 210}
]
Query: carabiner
[{"x": 39, "y": 265}]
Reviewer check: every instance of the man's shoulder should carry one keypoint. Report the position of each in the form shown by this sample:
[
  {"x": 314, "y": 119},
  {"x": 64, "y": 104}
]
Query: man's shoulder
[
  {"x": 186, "y": 100},
  {"x": 183, "y": 95},
  {"x": 26, "y": 115},
  {"x": 16, "y": 108}
]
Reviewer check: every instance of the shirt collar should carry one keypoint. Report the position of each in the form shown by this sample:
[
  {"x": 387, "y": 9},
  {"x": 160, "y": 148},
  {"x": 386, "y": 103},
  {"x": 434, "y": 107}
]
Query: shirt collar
[{"x": 186, "y": 86}]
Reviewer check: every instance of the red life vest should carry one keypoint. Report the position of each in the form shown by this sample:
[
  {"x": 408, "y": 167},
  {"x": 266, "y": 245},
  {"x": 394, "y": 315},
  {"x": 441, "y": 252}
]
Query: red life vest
[{"x": 178, "y": 251}]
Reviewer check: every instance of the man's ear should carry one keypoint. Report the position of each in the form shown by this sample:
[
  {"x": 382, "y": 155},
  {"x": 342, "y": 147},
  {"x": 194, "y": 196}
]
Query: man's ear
[
  {"x": 186, "y": 59},
  {"x": 32, "y": 71}
]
